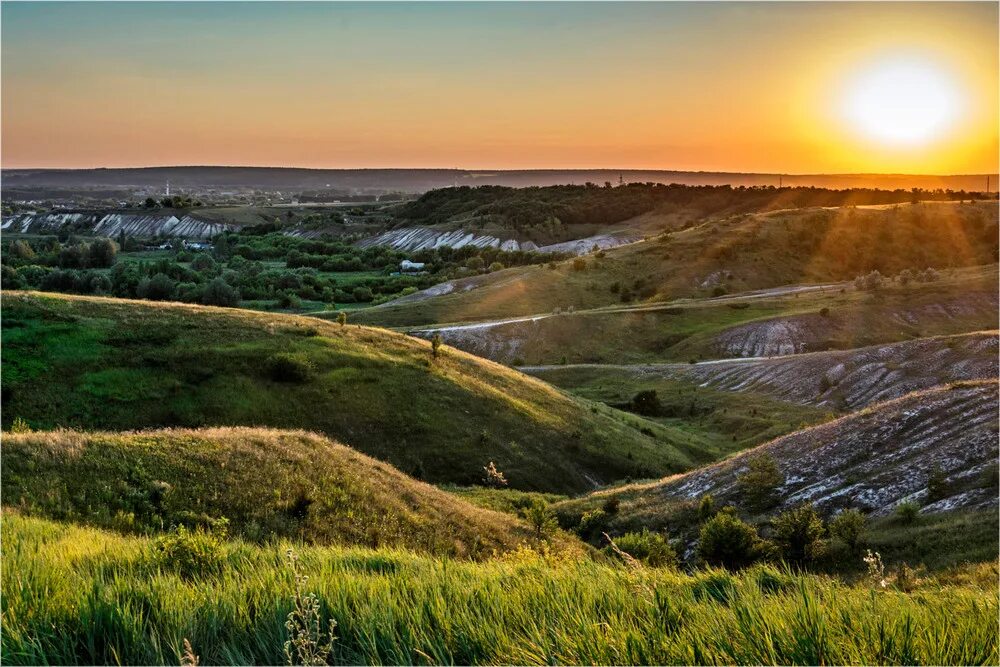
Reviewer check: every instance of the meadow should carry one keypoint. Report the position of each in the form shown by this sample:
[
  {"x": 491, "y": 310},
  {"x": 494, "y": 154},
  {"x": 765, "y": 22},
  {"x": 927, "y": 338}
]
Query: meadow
[{"x": 75, "y": 594}]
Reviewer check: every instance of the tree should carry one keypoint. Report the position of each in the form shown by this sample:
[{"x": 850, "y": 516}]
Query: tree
[
  {"x": 102, "y": 253},
  {"x": 759, "y": 484},
  {"x": 646, "y": 403},
  {"x": 728, "y": 541},
  {"x": 150, "y": 203},
  {"x": 203, "y": 262},
  {"x": 21, "y": 250},
  {"x": 539, "y": 517},
  {"x": 220, "y": 293},
  {"x": 475, "y": 263},
  {"x": 342, "y": 318},
  {"x": 158, "y": 288},
  {"x": 435, "y": 344},
  {"x": 799, "y": 534},
  {"x": 848, "y": 526}
]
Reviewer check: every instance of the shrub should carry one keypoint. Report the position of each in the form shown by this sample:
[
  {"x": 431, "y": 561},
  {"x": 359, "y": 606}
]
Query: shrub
[
  {"x": 203, "y": 262},
  {"x": 706, "y": 507},
  {"x": 436, "y": 345},
  {"x": 937, "y": 485},
  {"x": 539, "y": 517},
  {"x": 728, "y": 541},
  {"x": 220, "y": 293},
  {"x": 592, "y": 524},
  {"x": 799, "y": 533},
  {"x": 493, "y": 478},
  {"x": 342, "y": 318},
  {"x": 158, "y": 288},
  {"x": 759, "y": 484},
  {"x": 579, "y": 264},
  {"x": 362, "y": 294},
  {"x": 646, "y": 403},
  {"x": 906, "y": 513},
  {"x": 869, "y": 281},
  {"x": 496, "y": 266},
  {"x": 611, "y": 505},
  {"x": 290, "y": 367},
  {"x": 190, "y": 554},
  {"x": 649, "y": 548},
  {"x": 848, "y": 526}
]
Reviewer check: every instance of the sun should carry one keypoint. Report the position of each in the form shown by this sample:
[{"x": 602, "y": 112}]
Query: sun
[{"x": 903, "y": 100}]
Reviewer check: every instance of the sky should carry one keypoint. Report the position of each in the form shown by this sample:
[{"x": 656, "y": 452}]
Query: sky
[{"x": 752, "y": 87}]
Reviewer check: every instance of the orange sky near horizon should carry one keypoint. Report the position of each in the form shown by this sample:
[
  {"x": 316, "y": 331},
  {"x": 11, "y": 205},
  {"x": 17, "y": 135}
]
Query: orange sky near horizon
[{"x": 752, "y": 87}]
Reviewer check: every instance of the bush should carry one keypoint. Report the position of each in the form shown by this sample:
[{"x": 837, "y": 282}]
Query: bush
[
  {"x": 728, "y": 541},
  {"x": 759, "y": 484},
  {"x": 190, "y": 554},
  {"x": 592, "y": 524},
  {"x": 203, "y": 262},
  {"x": 798, "y": 533},
  {"x": 869, "y": 282},
  {"x": 579, "y": 264},
  {"x": 906, "y": 513},
  {"x": 937, "y": 485},
  {"x": 706, "y": 507},
  {"x": 158, "y": 288},
  {"x": 220, "y": 293},
  {"x": 290, "y": 367},
  {"x": 646, "y": 403},
  {"x": 649, "y": 548},
  {"x": 848, "y": 526}
]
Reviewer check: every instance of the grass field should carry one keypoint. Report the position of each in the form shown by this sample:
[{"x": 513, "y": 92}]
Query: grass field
[
  {"x": 261, "y": 484},
  {"x": 73, "y": 594},
  {"x": 112, "y": 364}
]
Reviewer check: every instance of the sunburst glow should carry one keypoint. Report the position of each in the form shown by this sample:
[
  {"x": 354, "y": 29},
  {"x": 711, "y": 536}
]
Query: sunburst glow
[{"x": 903, "y": 100}]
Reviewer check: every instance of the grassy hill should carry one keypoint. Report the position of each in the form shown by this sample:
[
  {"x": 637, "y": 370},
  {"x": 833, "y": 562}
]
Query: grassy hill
[
  {"x": 728, "y": 255},
  {"x": 738, "y": 325},
  {"x": 110, "y": 364},
  {"x": 79, "y": 595},
  {"x": 266, "y": 484}
]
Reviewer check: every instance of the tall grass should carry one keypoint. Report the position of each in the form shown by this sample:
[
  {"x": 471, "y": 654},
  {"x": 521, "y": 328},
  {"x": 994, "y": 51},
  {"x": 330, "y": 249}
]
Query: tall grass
[{"x": 79, "y": 595}]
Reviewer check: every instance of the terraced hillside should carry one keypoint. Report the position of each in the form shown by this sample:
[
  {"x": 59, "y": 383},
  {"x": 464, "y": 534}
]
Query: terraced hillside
[
  {"x": 872, "y": 460},
  {"x": 316, "y": 490},
  {"x": 110, "y": 364},
  {"x": 733, "y": 254},
  {"x": 763, "y": 323},
  {"x": 842, "y": 380}
]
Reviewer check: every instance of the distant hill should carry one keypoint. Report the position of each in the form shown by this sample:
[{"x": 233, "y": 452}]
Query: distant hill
[
  {"x": 265, "y": 483},
  {"x": 723, "y": 255},
  {"x": 421, "y": 180},
  {"x": 111, "y": 364}
]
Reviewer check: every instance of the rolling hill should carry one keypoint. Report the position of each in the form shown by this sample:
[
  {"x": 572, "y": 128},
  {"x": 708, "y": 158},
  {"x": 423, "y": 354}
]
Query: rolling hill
[
  {"x": 266, "y": 484},
  {"x": 729, "y": 255},
  {"x": 110, "y": 364}
]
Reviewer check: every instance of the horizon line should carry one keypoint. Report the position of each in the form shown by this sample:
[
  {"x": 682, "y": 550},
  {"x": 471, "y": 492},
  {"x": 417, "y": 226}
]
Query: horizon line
[{"x": 507, "y": 170}]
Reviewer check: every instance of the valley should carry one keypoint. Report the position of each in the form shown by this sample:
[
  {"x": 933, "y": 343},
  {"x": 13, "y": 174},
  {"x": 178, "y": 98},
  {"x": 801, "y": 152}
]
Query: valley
[{"x": 540, "y": 422}]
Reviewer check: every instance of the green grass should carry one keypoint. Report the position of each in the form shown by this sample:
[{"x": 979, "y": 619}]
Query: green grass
[
  {"x": 726, "y": 421},
  {"x": 113, "y": 364},
  {"x": 261, "y": 484},
  {"x": 77, "y": 595}
]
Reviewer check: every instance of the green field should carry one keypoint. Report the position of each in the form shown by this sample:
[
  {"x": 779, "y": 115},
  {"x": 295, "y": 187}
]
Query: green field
[
  {"x": 74, "y": 594},
  {"x": 112, "y": 364}
]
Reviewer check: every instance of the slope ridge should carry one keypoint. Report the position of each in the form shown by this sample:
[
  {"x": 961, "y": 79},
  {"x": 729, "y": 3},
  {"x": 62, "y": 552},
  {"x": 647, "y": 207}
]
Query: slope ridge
[
  {"x": 96, "y": 364},
  {"x": 265, "y": 483}
]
